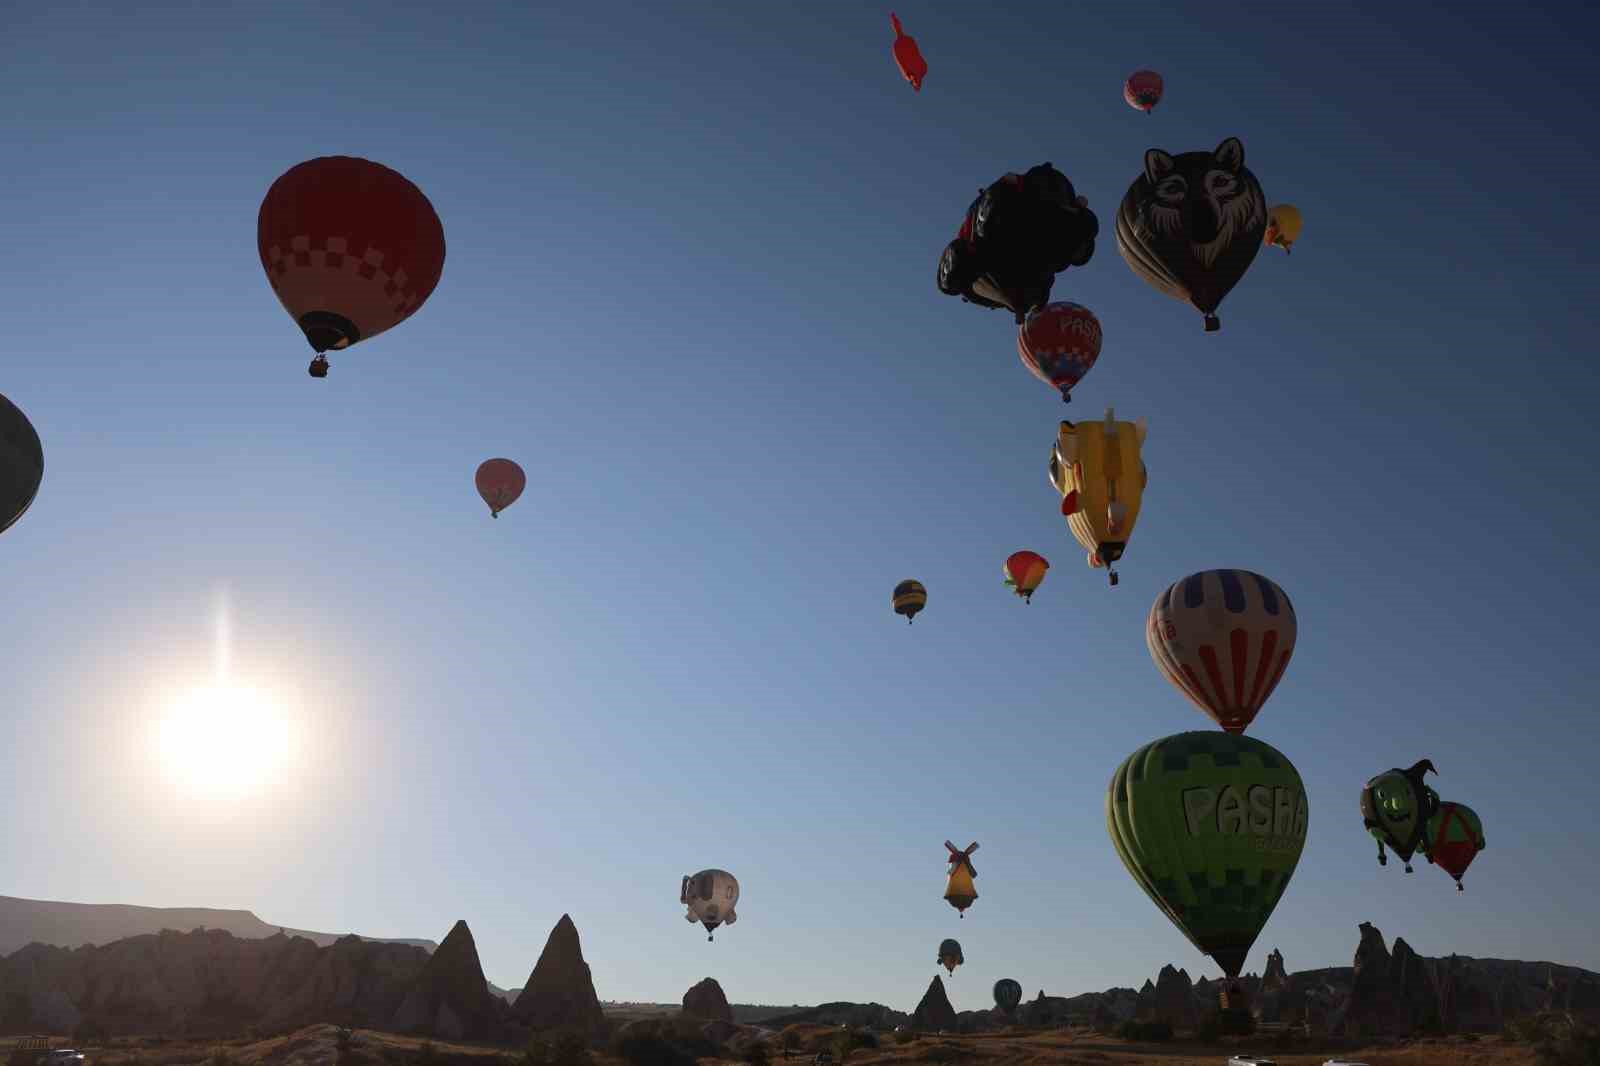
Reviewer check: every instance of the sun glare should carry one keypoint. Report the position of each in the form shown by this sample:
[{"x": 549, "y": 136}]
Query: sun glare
[{"x": 224, "y": 740}]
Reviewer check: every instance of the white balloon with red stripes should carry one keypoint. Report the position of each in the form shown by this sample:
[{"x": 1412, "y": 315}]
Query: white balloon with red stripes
[{"x": 1223, "y": 638}]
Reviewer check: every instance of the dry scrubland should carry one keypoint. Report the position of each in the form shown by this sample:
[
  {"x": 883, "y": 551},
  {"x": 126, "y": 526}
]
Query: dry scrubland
[{"x": 318, "y": 1046}]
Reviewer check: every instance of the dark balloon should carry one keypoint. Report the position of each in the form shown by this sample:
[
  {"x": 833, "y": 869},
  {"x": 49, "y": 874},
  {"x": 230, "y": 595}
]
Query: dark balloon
[
  {"x": 1192, "y": 224},
  {"x": 1017, "y": 236},
  {"x": 1007, "y": 994},
  {"x": 21, "y": 463},
  {"x": 1396, "y": 806}
]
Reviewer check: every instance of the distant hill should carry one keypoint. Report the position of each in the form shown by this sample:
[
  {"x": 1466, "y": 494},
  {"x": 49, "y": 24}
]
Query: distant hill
[{"x": 71, "y": 925}]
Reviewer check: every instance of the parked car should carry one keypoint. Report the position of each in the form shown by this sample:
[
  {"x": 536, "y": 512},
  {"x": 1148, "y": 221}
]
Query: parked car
[
  {"x": 61, "y": 1057},
  {"x": 1342, "y": 1062},
  {"x": 1250, "y": 1060}
]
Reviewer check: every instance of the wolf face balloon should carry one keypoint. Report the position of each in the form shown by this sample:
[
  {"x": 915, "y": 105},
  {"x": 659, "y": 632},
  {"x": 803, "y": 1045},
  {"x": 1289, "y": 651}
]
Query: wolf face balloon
[{"x": 1192, "y": 224}]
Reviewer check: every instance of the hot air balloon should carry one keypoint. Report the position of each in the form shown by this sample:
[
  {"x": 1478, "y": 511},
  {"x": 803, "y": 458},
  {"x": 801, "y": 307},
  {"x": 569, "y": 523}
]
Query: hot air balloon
[
  {"x": 959, "y": 891},
  {"x": 907, "y": 56},
  {"x": 1454, "y": 837},
  {"x": 1283, "y": 226},
  {"x": 1223, "y": 638},
  {"x": 1191, "y": 224},
  {"x": 1059, "y": 343},
  {"x": 950, "y": 955},
  {"x": 21, "y": 463},
  {"x": 1017, "y": 236},
  {"x": 1396, "y": 806},
  {"x": 710, "y": 896},
  {"x": 1099, "y": 472},
  {"x": 909, "y": 598},
  {"x": 351, "y": 248},
  {"x": 1211, "y": 826},
  {"x": 1007, "y": 994},
  {"x": 1143, "y": 90},
  {"x": 500, "y": 482},
  {"x": 1024, "y": 572}
]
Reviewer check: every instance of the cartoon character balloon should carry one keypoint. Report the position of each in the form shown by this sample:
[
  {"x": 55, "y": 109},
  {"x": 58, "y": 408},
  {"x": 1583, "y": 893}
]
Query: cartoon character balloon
[
  {"x": 1059, "y": 343},
  {"x": 907, "y": 56},
  {"x": 350, "y": 247},
  {"x": 1211, "y": 826},
  {"x": 1283, "y": 226},
  {"x": 1223, "y": 638},
  {"x": 1007, "y": 994},
  {"x": 710, "y": 896},
  {"x": 1016, "y": 237},
  {"x": 500, "y": 482},
  {"x": 1191, "y": 224},
  {"x": 21, "y": 463},
  {"x": 950, "y": 955},
  {"x": 1143, "y": 90},
  {"x": 959, "y": 891},
  {"x": 1396, "y": 807},
  {"x": 1454, "y": 838},
  {"x": 1098, "y": 469},
  {"x": 1024, "y": 572},
  {"x": 909, "y": 598}
]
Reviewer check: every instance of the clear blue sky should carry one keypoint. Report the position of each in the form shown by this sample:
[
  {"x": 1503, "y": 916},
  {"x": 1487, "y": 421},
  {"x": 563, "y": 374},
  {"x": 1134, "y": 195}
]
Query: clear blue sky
[{"x": 690, "y": 287}]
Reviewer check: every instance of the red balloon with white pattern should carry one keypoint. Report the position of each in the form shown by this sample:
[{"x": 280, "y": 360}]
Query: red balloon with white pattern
[
  {"x": 1143, "y": 90},
  {"x": 351, "y": 248},
  {"x": 1059, "y": 343},
  {"x": 1223, "y": 638}
]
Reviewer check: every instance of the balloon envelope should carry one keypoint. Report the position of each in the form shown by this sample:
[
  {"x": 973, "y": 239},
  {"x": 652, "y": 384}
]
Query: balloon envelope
[
  {"x": 1283, "y": 226},
  {"x": 909, "y": 598},
  {"x": 710, "y": 896},
  {"x": 1191, "y": 224},
  {"x": 1143, "y": 90},
  {"x": 21, "y": 463},
  {"x": 1223, "y": 638},
  {"x": 950, "y": 955},
  {"x": 350, "y": 247},
  {"x": 1396, "y": 806},
  {"x": 500, "y": 482},
  {"x": 1059, "y": 343},
  {"x": 1025, "y": 571},
  {"x": 1211, "y": 826},
  {"x": 1007, "y": 994},
  {"x": 907, "y": 56},
  {"x": 1098, "y": 469},
  {"x": 1455, "y": 836}
]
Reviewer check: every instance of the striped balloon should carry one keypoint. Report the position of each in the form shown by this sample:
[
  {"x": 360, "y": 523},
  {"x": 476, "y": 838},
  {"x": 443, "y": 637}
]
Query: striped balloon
[{"x": 1223, "y": 638}]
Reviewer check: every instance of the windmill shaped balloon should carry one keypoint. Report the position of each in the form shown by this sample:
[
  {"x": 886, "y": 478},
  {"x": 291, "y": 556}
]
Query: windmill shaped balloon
[{"x": 959, "y": 891}]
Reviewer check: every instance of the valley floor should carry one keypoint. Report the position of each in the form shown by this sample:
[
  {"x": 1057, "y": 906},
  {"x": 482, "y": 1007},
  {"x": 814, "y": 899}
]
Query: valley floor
[{"x": 318, "y": 1046}]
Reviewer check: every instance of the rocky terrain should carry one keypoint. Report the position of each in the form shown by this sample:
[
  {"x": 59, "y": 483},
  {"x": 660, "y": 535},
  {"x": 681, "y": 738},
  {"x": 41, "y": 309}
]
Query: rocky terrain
[{"x": 210, "y": 984}]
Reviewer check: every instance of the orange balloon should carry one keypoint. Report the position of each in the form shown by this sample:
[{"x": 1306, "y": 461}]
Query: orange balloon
[
  {"x": 500, "y": 482},
  {"x": 907, "y": 56}
]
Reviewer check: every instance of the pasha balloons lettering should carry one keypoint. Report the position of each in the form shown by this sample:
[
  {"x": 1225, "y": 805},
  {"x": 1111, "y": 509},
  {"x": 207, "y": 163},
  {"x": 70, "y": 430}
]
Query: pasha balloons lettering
[{"x": 1211, "y": 826}]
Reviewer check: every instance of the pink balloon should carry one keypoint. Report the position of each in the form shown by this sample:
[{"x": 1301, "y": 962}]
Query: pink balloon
[
  {"x": 500, "y": 482},
  {"x": 1143, "y": 90}
]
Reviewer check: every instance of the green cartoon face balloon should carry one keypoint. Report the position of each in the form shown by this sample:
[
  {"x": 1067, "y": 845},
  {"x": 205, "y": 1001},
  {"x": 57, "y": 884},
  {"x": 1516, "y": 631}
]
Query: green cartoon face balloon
[
  {"x": 1396, "y": 806},
  {"x": 1211, "y": 825}
]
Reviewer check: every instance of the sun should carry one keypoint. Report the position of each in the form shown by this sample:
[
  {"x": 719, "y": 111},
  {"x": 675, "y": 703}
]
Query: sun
[{"x": 224, "y": 740}]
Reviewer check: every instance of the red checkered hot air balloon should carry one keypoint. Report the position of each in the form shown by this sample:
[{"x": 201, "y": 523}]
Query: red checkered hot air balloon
[
  {"x": 500, "y": 482},
  {"x": 1059, "y": 343},
  {"x": 1223, "y": 638},
  {"x": 351, "y": 248},
  {"x": 1143, "y": 90}
]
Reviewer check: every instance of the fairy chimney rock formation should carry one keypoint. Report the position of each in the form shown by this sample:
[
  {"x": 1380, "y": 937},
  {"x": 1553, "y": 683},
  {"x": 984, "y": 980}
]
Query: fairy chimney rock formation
[
  {"x": 1276, "y": 978},
  {"x": 705, "y": 1000},
  {"x": 450, "y": 998},
  {"x": 1174, "y": 998},
  {"x": 934, "y": 1012},
  {"x": 559, "y": 993}
]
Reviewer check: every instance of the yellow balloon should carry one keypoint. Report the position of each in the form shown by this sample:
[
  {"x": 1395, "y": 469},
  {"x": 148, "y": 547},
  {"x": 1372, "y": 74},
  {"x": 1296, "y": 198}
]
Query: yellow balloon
[
  {"x": 1283, "y": 226},
  {"x": 1099, "y": 472}
]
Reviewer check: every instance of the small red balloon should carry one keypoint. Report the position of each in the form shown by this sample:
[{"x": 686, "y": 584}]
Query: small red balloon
[
  {"x": 1143, "y": 90},
  {"x": 1059, "y": 343},
  {"x": 500, "y": 482},
  {"x": 907, "y": 56}
]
